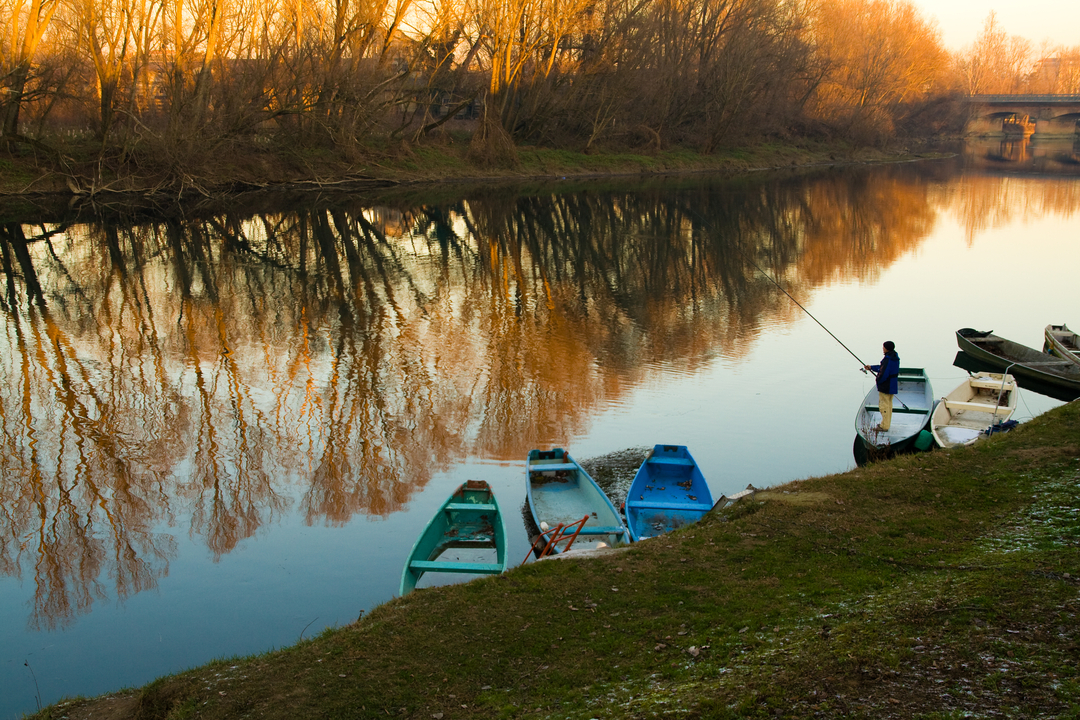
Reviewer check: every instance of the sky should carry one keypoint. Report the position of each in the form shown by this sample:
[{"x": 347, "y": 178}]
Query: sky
[{"x": 961, "y": 21}]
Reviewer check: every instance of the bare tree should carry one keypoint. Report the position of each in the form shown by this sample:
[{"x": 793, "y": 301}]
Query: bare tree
[{"x": 27, "y": 22}]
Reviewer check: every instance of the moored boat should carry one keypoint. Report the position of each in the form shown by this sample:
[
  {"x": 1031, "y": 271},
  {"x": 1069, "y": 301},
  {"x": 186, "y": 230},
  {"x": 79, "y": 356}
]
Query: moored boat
[
  {"x": 973, "y": 409},
  {"x": 470, "y": 521},
  {"x": 912, "y": 405},
  {"x": 1021, "y": 361},
  {"x": 1063, "y": 342},
  {"x": 561, "y": 493},
  {"x": 668, "y": 492}
]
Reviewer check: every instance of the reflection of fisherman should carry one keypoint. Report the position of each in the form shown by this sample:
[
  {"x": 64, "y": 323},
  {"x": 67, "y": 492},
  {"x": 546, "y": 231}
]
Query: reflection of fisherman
[{"x": 887, "y": 374}]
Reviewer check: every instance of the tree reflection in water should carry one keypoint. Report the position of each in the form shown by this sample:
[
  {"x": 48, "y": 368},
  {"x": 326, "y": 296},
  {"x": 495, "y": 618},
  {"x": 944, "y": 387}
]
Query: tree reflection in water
[{"x": 216, "y": 373}]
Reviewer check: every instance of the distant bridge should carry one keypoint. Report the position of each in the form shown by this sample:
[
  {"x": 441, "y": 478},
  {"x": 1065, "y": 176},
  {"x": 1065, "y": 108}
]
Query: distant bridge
[{"x": 1037, "y": 115}]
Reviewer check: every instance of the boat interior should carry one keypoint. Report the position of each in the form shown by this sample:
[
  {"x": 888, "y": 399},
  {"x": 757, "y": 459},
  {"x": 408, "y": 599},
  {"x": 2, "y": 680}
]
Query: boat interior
[{"x": 911, "y": 408}]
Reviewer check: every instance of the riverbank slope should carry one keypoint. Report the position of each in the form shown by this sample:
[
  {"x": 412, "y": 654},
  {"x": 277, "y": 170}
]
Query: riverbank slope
[
  {"x": 930, "y": 586},
  {"x": 256, "y": 168}
]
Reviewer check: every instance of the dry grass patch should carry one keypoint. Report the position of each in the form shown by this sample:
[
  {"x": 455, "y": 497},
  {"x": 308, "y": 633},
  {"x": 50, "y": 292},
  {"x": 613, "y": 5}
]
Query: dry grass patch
[{"x": 794, "y": 497}]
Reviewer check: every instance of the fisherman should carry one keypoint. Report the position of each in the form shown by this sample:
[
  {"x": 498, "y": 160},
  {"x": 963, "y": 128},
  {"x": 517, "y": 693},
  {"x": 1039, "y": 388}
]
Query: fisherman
[{"x": 887, "y": 374}]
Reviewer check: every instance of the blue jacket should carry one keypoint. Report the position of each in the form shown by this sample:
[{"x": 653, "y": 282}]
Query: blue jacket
[{"x": 888, "y": 373}]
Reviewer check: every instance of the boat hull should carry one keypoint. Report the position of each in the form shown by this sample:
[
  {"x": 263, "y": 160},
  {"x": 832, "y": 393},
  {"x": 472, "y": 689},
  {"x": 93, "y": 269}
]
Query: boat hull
[
  {"x": 973, "y": 408},
  {"x": 912, "y": 405},
  {"x": 1062, "y": 342},
  {"x": 469, "y": 520},
  {"x": 1023, "y": 362},
  {"x": 560, "y": 492},
  {"x": 667, "y": 493}
]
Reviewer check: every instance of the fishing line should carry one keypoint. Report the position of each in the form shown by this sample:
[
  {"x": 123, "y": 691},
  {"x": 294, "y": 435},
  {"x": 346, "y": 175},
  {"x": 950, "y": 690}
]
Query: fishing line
[
  {"x": 862, "y": 365},
  {"x": 774, "y": 282}
]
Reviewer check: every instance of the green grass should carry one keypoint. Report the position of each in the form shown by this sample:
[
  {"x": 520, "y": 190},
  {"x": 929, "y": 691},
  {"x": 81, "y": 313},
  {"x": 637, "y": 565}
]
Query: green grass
[{"x": 940, "y": 585}]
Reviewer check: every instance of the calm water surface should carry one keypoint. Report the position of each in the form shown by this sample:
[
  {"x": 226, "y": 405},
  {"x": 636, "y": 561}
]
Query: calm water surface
[{"x": 223, "y": 434}]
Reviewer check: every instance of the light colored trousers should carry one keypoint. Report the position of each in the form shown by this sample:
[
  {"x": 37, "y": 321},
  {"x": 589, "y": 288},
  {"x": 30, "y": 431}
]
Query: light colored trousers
[{"x": 885, "y": 405}]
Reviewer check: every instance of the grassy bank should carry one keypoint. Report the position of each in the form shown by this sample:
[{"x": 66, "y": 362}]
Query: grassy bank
[
  {"x": 80, "y": 170},
  {"x": 939, "y": 585}
]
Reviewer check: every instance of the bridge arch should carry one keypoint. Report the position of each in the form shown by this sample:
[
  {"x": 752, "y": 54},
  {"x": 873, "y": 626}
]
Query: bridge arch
[{"x": 1038, "y": 115}]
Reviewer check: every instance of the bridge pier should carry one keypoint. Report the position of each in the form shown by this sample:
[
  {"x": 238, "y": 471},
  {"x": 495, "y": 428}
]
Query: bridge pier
[{"x": 1061, "y": 126}]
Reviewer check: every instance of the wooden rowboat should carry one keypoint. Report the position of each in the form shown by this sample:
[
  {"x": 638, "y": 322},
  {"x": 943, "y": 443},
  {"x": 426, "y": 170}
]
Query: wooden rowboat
[
  {"x": 560, "y": 492},
  {"x": 912, "y": 406},
  {"x": 469, "y": 521},
  {"x": 973, "y": 409},
  {"x": 1025, "y": 363},
  {"x": 668, "y": 492},
  {"x": 1063, "y": 342}
]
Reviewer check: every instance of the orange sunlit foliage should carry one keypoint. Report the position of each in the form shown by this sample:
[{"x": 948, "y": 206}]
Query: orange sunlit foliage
[
  {"x": 997, "y": 63},
  {"x": 877, "y": 54},
  {"x": 175, "y": 81}
]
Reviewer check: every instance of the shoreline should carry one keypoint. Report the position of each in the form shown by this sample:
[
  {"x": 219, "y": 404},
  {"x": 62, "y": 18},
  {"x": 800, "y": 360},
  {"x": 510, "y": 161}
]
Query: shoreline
[
  {"x": 26, "y": 181},
  {"x": 946, "y": 581}
]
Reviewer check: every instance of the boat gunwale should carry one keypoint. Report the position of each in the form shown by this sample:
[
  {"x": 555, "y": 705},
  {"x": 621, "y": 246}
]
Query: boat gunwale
[
  {"x": 1008, "y": 383},
  {"x": 1057, "y": 344},
  {"x": 913, "y": 376}
]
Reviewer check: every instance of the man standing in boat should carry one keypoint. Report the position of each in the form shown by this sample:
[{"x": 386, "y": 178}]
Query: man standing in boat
[{"x": 887, "y": 374}]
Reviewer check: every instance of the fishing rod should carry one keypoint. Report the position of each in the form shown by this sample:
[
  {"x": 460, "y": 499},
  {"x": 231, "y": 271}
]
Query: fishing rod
[{"x": 862, "y": 365}]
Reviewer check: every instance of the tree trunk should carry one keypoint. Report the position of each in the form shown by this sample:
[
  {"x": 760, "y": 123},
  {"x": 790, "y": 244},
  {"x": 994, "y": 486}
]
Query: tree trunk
[{"x": 13, "y": 104}]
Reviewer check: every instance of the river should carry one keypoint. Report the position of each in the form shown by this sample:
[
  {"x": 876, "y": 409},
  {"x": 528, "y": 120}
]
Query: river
[{"x": 223, "y": 430}]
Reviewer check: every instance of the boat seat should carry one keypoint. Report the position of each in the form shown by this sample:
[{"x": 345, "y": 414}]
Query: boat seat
[
  {"x": 671, "y": 461},
  {"x": 538, "y": 467},
  {"x": 992, "y": 384},
  {"x": 478, "y": 507},
  {"x": 977, "y": 407},
  {"x": 455, "y": 567},
  {"x": 600, "y": 530},
  {"x": 900, "y": 410},
  {"x": 646, "y": 505}
]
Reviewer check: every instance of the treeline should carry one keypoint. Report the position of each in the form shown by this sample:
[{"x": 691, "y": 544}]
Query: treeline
[
  {"x": 1001, "y": 64},
  {"x": 186, "y": 78}
]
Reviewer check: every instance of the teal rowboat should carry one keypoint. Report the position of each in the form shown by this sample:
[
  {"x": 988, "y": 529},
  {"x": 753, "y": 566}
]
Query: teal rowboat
[
  {"x": 469, "y": 520},
  {"x": 560, "y": 492}
]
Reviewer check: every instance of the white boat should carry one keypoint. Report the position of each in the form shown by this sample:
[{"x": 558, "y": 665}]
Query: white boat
[
  {"x": 973, "y": 408},
  {"x": 1063, "y": 342}
]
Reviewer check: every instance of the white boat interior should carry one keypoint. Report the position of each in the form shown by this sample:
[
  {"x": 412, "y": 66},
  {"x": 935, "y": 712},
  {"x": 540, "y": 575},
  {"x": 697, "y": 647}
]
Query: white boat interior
[{"x": 977, "y": 404}]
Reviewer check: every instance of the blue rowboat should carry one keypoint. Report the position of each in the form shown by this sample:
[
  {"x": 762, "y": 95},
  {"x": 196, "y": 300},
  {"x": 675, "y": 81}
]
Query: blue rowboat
[
  {"x": 912, "y": 405},
  {"x": 668, "y": 492},
  {"x": 469, "y": 520},
  {"x": 561, "y": 492}
]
